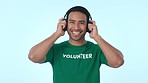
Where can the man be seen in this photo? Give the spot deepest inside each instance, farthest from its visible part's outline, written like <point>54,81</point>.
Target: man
<point>76,60</point>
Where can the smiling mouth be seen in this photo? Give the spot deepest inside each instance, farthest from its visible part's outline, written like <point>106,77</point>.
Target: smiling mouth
<point>76,32</point>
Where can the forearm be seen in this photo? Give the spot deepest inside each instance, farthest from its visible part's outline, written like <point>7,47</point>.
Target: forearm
<point>38,53</point>
<point>113,56</point>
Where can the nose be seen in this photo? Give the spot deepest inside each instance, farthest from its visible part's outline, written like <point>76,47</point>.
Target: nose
<point>77,26</point>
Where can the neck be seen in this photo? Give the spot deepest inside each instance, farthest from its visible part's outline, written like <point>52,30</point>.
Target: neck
<point>77,43</point>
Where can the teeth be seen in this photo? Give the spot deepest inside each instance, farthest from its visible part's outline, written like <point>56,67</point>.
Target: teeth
<point>75,32</point>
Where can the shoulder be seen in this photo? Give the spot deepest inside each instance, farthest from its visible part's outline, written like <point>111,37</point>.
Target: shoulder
<point>91,43</point>
<point>94,45</point>
<point>60,44</point>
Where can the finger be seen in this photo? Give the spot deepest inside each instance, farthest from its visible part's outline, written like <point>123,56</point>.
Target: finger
<point>90,27</point>
<point>93,22</point>
<point>63,26</point>
<point>61,19</point>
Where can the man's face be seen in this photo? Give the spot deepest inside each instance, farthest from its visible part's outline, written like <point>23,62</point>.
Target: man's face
<point>77,23</point>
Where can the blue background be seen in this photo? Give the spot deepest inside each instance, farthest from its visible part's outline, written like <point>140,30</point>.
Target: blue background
<point>24,23</point>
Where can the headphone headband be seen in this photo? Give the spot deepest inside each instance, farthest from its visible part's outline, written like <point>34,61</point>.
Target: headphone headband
<point>80,9</point>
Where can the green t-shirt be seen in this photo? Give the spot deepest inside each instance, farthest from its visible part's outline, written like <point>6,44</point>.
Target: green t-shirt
<point>76,64</point>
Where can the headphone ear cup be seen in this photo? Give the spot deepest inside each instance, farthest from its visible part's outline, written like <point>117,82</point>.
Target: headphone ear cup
<point>65,29</point>
<point>87,30</point>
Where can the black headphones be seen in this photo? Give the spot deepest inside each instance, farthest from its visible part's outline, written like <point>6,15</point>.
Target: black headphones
<point>80,9</point>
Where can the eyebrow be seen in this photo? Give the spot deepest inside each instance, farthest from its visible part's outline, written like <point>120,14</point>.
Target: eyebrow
<point>82,21</point>
<point>71,20</point>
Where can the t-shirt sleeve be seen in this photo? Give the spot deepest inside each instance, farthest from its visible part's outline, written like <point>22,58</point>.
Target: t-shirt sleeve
<point>103,59</point>
<point>49,55</point>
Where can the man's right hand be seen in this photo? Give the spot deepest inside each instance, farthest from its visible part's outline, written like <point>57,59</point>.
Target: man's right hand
<point>61,25</point>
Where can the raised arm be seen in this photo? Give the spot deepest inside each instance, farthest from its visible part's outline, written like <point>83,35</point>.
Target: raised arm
<point>38,52</point>
<point>113,55</point>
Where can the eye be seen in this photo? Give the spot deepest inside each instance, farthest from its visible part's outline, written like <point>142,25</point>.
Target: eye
<point>82,23</point>
<point>71,22</point>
